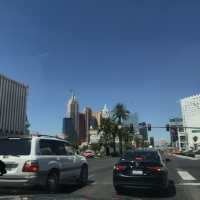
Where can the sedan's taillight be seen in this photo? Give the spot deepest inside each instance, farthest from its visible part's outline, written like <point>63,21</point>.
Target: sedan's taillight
<point>155,168</point>
<point>31,166</point>
<point>120,168</point>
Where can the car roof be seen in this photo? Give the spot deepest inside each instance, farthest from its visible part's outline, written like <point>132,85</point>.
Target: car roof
<point>34,136</point>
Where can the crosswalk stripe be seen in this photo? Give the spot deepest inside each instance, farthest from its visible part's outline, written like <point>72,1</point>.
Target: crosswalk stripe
<point>190,184</point>
<point>186,176</point>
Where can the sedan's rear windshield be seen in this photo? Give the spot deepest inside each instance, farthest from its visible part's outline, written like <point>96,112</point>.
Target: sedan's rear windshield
<point>15,146</point>
<point>142,156</point>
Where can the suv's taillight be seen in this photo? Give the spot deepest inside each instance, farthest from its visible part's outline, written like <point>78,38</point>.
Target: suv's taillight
<point>155,168</point>
<point>31,166</point>
<point>120,167</point>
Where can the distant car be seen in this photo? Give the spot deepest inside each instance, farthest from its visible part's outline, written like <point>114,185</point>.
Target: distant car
<point>88,154</point>
<point>140,168</point>
<point>197,152</point>
<point>41,161</point>
<point>189,153</point>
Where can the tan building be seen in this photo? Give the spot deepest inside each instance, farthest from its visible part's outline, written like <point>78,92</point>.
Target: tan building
<point>97,116</point>
<point>13,100</point>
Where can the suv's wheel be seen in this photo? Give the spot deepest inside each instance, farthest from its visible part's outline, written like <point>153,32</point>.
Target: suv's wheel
<point>83,178</point>
<point>118,189</point>
<point>53,182</point>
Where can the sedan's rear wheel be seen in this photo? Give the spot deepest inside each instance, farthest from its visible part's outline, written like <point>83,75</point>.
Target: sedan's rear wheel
<point>118,189</point>
<point>83,179</point>
<point>52,182</point>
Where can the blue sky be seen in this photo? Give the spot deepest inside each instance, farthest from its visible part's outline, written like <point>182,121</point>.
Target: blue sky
<point>144,54</point>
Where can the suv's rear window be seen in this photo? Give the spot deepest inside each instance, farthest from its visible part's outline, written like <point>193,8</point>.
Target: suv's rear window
<point>15,146</point>
<point>142,156</point>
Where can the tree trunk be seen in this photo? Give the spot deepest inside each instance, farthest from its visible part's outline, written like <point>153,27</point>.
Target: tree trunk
<point>107,151</point>
<point>114,144</point>
<point>120,145</point>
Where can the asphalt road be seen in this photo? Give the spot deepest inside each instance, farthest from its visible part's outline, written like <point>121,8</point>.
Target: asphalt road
<point>184,183</point>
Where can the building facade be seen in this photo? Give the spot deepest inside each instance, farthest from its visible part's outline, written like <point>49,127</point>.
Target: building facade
<point>133,120</point>
<point>96,119</point>
<point>88,118</point>
<point>13,102</point>
<point>143,131</point>
<point>106,112</point>
<point>152,141</point>
<point>73,113</point>
<point>190,108</point>
<point>177,134</point>
<point>69,131</point>
<point>82,128</point>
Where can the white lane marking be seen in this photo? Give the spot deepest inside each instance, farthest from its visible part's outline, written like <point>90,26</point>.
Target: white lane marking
<point>91,176</point>
<point>186,157</point>
<point>190,184</point>
<point>186,176</point>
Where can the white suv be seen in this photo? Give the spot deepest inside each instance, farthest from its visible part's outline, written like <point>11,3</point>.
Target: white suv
<point>41,160</point>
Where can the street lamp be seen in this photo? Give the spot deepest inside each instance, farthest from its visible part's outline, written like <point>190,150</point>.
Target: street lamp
<point>119,126</point>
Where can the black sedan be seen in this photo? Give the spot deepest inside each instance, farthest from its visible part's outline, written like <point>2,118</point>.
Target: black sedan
<point>140,168</point>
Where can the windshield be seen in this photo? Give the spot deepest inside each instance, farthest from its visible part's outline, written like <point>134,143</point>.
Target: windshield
<point>15,146</point>
<point>142,156</point>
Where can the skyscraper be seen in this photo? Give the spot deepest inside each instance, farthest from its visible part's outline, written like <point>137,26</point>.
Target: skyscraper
<point>152,141</point>
<point>13,102</point>
<point>73,113</point>
<point>88,117</point>
<point>190,107</point>
<point>82,128</point>
<point>96,119</point>
<point>105,112</point>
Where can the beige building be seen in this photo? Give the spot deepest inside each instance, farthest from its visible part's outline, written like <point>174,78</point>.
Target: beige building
<point>13,100</point>
<point>97,116</point>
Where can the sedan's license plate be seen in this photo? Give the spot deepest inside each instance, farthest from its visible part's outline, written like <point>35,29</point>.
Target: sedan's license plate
<point>137,172</point>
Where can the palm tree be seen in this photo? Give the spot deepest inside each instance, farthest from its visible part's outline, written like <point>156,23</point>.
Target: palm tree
<point>195,138</point>
<point>106,130</point>
<point>120,114</point>
<point>114,130</point>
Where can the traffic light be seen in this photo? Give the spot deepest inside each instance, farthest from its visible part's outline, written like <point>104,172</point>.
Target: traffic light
<point>167,127</point>
<point>149,127</point>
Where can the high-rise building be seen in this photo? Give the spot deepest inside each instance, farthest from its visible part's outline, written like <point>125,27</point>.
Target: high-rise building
<point>96,119</point>
<point>73,113</point>
<point>152,141</point>
<point>13,97</point>
<point>177,133</point>
<point>190,107</point>
<point>143,131</point>
<point>69,131</point>
<point>82,128</point>
<point>88,118</point>
<point>132,120</point>
<point>105,112</point>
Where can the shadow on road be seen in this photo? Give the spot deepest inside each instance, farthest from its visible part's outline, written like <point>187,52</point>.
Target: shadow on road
<point>170,192</point>
<point>64,189</point>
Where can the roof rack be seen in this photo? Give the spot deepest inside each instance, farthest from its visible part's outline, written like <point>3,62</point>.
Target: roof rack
<point>15,136</point>
<point>41,135</point>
